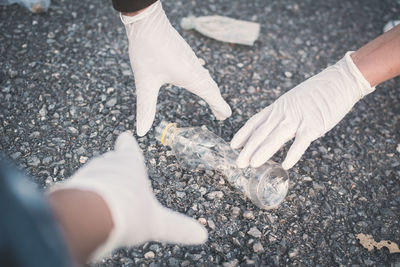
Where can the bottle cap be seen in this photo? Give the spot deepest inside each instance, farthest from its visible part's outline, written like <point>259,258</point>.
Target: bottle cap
<point>162,130</point>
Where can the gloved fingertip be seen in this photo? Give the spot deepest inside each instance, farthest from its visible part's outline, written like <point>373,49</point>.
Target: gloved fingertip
<point>223,111</point>
<point>234,145</point>
<point>297,150</point>
<point>237,140</point>
<point>286,165</point>
<point>142,127</point>
<point>178,228</point>
<point>126,141</point>
<point>257,162</point>
<point>242,163</point>
<point>200,235</point>
<point>291,159</point>
<point>141,132</point>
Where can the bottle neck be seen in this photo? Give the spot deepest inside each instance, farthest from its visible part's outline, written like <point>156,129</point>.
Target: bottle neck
<point>168,133</point>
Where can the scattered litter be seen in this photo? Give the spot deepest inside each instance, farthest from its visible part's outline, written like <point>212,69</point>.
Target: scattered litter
<point>224,29</point>
<point>369,243</point>
<point>35,6</point>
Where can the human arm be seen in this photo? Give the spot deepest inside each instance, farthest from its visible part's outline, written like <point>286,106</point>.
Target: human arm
<point>109,203</point>
<point>379,60</point>
<point>315,106</point>
<point>159,55</point>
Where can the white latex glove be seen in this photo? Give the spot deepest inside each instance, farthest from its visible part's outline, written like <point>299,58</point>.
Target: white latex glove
<point>120,178</point>
<point>159,55</point>
<point>306,112</point>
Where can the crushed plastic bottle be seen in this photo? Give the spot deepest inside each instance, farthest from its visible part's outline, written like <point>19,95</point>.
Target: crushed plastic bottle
<point>197,148</point>
<point>35,6</point>
<point>224,29</point>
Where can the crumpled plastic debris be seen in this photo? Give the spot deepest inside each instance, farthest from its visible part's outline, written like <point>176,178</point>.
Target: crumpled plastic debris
<point>35,6</point>
<point>369,243</point>
<point>224,29</point>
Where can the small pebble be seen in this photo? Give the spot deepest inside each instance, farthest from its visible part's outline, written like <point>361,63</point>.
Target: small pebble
<point>83,159</point>
<point>293,253</point>
<point>180,194</point>
<point>211,224</point>
<point>288,74</point>
<point>235,211</point>
<point>149,255</point>
<point>254,232</point>
<point>33,161</point>
<point>248,214</point>
<point>43,111</point>
<point>13,74</point>
<point>202,62</point>
<point>203,221</point>
<point>185,263</point>
<point>111,102</point>
<point>251,90</point>
<point>126,73</point>
<point>73,130</point>
<point>258,247</point>
<point>215,194</point>
<point>232,263</point>
<point>110,90</point>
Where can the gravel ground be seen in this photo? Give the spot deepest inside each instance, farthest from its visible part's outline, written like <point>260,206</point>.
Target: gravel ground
<point>67,91</point>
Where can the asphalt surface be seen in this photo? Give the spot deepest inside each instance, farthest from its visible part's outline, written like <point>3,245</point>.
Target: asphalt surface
<point>67,91</point>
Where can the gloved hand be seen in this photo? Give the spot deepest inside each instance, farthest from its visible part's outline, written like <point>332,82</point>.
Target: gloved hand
<point>159,55</point>
<point>120,178</point>
<point>306,112</point>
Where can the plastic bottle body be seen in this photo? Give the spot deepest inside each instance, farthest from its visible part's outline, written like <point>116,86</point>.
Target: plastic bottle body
<point>224,29</point>
<point>197,148</point>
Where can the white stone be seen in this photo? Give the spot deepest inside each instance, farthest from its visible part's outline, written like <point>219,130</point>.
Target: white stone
<point>248,215</point>
<point>202,62</point>
<point>254,232</point>
<point>203,221</point>
<point>215,194</point>
<point>149,255</point>
<point>258,248</point>
<point>83,159</point>
<point>288,74</point>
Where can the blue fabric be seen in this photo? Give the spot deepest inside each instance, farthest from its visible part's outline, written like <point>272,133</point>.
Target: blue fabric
<point>29,234</point>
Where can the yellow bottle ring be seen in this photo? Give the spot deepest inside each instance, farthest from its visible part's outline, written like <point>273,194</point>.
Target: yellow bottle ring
<point>166,130</point>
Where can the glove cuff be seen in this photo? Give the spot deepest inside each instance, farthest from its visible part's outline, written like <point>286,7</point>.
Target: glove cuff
<point>363,85</point>
<point>148,11</point>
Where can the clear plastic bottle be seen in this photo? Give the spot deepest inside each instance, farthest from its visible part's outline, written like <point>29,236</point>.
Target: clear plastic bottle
<point>197,148</point>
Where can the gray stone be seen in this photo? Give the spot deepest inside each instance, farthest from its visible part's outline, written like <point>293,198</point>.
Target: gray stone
<point>232,263</point>
<point>111,102</point>
<point>254,232</point>
<point>248,214</point>
<point>73,130</point>
<point>33,161</point>
<point>215,195</point>
<point>258,247</point>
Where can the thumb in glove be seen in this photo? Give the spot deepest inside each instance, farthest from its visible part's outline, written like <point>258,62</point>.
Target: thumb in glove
<point>119,177</point>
